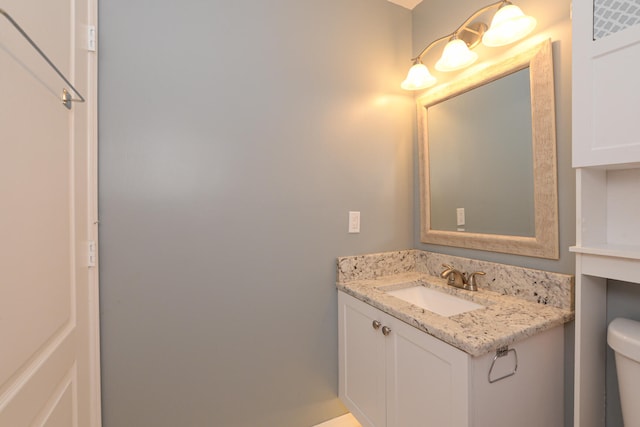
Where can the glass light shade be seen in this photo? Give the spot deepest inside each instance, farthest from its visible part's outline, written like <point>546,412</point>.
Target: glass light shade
<point>418,78</point>
<point>508,25</point>
<point>456,55</point>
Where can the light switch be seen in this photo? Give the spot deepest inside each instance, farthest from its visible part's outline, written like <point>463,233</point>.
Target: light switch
<point>354,222</point>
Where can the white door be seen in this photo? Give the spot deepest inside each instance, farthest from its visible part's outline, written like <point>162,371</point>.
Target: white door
<point>49,355</point>
<point>428,382</point>
<point>362,366</point>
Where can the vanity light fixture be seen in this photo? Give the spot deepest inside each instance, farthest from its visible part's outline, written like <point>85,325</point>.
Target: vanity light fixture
<point>509,24</point>
<point>455,56</point>
<point>418,78</point>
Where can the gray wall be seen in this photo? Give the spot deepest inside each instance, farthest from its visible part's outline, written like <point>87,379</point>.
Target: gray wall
<point>234,139</point>
<point>435,18</point>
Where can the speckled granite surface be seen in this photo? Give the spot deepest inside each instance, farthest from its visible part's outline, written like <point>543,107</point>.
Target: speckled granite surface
<point>519,302</point>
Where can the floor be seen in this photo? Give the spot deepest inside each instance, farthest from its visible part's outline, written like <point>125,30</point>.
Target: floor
<point>344,421</point>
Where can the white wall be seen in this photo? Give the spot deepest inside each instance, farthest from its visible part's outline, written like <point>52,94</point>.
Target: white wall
<point>234,139</point>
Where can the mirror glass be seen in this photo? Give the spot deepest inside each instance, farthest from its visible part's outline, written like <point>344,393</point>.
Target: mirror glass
<point>488,174</point>
<point>468,162</point>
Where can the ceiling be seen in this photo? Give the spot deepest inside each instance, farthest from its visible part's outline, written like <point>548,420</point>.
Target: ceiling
<point>409,4</point>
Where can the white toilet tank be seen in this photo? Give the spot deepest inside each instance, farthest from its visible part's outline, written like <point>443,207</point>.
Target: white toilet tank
<point>623,337</point>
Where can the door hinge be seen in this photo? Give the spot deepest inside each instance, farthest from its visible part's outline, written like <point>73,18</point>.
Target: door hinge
<point>91,253</point>
<point>91,38</point>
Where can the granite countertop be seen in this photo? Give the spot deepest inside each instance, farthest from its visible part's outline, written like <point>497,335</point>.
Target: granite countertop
<point>506,318</point>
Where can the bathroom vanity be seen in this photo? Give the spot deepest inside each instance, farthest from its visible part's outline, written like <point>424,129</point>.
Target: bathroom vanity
<point>497,359</point>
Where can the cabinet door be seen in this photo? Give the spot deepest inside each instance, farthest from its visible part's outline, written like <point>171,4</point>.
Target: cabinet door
<point>361,362</point>
<point>427,380</point>
<point>606,54</point>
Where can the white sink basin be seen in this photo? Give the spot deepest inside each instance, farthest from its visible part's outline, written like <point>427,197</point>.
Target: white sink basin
<point>435,301</point>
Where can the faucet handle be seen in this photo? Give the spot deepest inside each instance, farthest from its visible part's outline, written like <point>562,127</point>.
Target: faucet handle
<point>454,277</point>
<point>473,283</point>
<point>447,273</point>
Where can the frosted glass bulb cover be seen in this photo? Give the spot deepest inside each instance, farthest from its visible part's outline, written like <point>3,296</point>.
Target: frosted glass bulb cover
<point>456,55</point>
<point>418,78</point>
<point>508,25</point>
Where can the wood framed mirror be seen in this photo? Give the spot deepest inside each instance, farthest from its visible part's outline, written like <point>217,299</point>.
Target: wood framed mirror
<point>503,177</point>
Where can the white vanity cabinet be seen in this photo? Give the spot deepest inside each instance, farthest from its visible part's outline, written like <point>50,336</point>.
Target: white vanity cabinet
<point>407,378</point>
<point>379,381</point>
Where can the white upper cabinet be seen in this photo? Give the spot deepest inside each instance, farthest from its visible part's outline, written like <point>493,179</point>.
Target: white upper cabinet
<point>606,59</point>
<point>606,140</point>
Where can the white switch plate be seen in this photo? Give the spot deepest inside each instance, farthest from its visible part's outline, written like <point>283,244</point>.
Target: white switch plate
<point>354,222</point>
<point>460,216</point>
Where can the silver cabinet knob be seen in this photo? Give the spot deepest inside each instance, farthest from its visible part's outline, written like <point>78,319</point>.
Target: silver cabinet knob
<point>376,325</point>
<point>386,330</point>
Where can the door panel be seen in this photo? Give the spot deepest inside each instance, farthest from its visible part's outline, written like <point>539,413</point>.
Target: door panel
<point>430,380</point>
<point>63,405</point>
<point>362,366</point>
<point>48,360</point>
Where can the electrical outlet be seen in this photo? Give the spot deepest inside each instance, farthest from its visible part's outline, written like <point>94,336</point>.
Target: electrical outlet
<point>460,216</point>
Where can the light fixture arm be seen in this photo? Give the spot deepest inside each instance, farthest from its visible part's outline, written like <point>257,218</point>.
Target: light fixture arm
<point>418,58</point>
<point>478,12</point>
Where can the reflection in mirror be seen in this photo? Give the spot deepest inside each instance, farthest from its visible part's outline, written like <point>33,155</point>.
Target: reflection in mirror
<point>467,162</point>
<point>487,146</point>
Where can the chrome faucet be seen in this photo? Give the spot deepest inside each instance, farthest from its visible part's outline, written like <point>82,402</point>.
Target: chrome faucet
<point>460,280</point>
